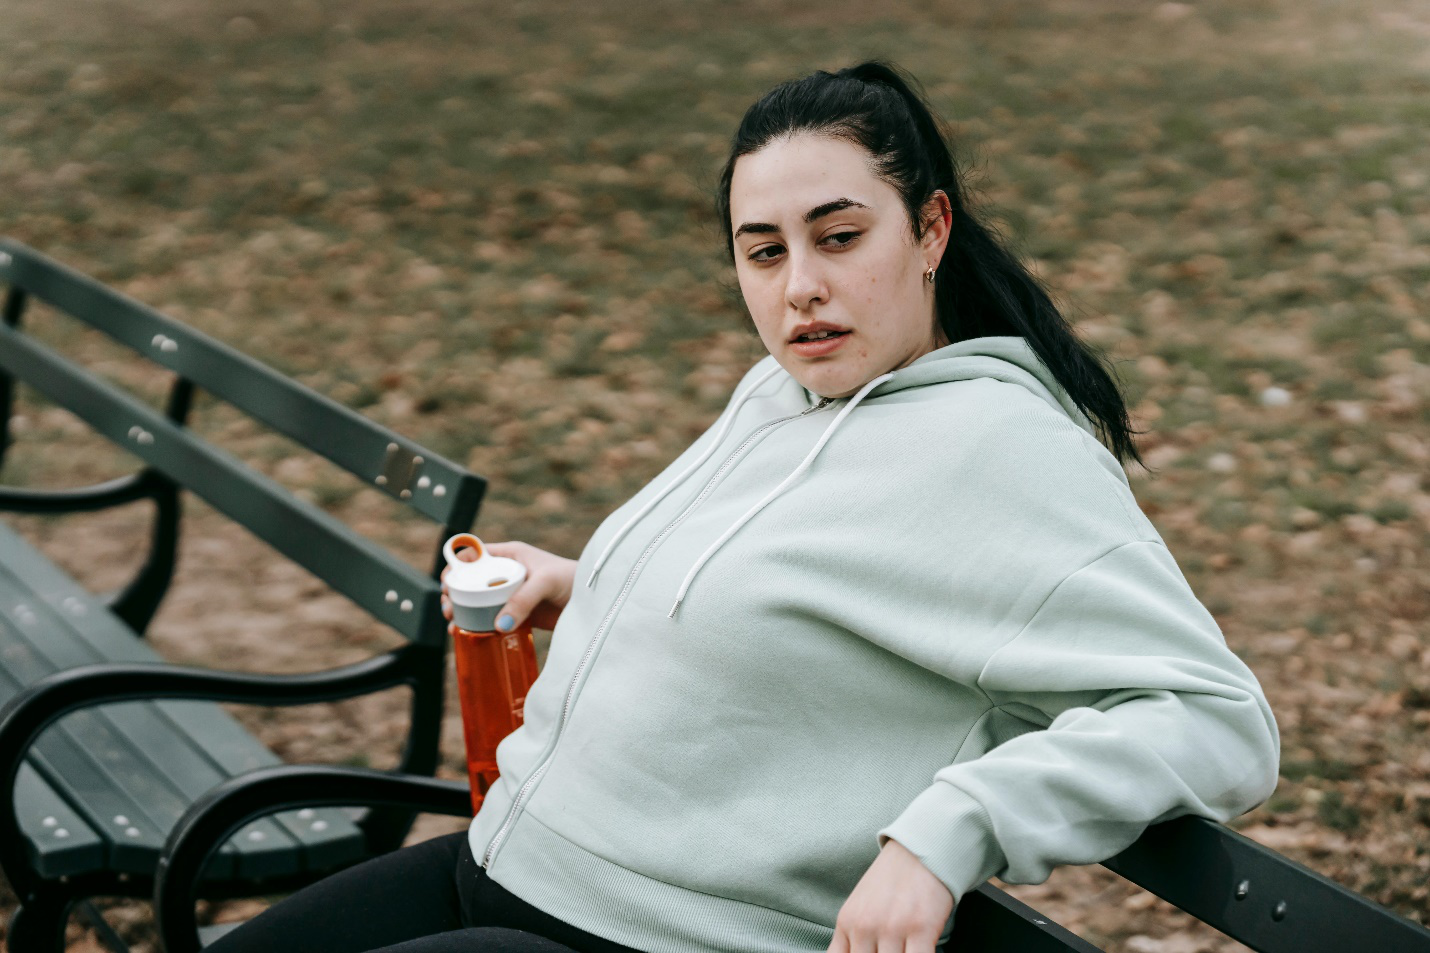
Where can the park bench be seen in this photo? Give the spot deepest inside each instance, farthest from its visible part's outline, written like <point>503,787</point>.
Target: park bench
<point>1243,889</point>
<point>91,798</point>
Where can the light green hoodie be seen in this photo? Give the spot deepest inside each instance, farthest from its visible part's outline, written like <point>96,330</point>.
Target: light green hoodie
<point>931,612</point>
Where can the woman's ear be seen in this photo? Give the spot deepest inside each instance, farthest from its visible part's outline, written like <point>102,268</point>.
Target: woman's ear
<point>938,222</point>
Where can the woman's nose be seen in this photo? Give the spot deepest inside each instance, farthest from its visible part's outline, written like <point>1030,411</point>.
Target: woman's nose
<point>805,285</point>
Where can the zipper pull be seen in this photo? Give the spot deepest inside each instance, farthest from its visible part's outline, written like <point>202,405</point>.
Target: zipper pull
<point>823,402</point>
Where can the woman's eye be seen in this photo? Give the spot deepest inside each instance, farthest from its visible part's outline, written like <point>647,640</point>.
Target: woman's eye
<point>842,239</point>
<point>765,252</point>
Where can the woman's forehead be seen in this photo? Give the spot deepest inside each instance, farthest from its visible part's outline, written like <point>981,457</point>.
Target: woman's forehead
<point>790,175</point>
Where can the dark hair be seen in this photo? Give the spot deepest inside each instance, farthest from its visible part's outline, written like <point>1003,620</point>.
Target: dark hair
<point>981,288</point>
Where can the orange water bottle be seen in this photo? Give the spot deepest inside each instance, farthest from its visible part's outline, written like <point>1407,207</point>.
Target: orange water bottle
<point>494,669</point>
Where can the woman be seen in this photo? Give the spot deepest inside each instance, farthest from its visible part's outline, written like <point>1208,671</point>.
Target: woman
<point>895,624</point>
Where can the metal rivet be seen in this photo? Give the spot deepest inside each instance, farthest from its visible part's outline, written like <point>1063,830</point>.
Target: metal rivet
<point>381,480</point>
<point>50,822</point>
<point>123,878</point>
<point>391,447</point>
<point>256,835</point>
<point>391,597</point>
<point>157,340</point>
<point>307,812</point>
<point>131,832</point>
<point>169,345</point>
<point>146,437</point>
<point>121,820</point>
<point>319,825</point>
<point>417,461</point>
<point>1278,912</point>
<point>424,482</point>
<point>1041,922</point>
<point>405,494</point>
<point>61,832</point>
<point>439,490</point>
<point>5,259</point>
<point>1242,889</point>
<point>135,431</point>
<point>406,605</point>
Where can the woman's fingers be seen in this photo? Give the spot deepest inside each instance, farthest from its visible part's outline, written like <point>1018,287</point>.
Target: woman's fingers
<point>527,597</point>
<point>924,943</point>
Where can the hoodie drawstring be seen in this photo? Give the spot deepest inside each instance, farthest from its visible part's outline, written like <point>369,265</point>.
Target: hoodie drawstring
<point>714,445</point>
<point>808,460</point>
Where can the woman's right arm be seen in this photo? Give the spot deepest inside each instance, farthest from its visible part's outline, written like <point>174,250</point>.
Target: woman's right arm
<point>547,589</point>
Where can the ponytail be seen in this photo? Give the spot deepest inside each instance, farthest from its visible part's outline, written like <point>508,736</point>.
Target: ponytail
<point>980,288</point>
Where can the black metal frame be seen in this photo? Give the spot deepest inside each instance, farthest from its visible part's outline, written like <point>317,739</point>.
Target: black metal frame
<point>1259,897</point>
<point>45,903</point>
<point>345,437</point>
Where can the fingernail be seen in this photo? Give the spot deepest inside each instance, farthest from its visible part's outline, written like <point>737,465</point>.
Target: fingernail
<point>505,622</point>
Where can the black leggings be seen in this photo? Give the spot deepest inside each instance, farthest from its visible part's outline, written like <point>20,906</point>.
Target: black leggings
<point>431,897</point>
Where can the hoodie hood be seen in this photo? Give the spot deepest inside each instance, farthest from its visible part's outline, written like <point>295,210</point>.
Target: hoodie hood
<point>1009,359</point>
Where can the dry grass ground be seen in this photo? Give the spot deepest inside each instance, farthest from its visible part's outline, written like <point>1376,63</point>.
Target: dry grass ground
<point>488,226</point>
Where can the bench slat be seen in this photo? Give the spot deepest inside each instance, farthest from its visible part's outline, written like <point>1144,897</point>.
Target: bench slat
<point>61,843</point>
<point>138,746</point>
<point>94,792</point>
<point>328,835</point>
<point>344,436</point>
<point>314,539</point>
<point>197,744</point>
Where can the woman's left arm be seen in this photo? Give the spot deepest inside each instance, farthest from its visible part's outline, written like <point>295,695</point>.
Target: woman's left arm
<point>1145,715</point>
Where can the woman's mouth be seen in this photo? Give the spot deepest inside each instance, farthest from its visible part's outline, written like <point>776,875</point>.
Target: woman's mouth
<point>824,342</point>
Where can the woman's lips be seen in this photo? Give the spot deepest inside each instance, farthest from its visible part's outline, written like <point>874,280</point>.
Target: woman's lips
<point>819,348</point>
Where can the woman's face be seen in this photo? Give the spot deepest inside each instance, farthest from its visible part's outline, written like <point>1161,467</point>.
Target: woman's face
<point>821,241</point>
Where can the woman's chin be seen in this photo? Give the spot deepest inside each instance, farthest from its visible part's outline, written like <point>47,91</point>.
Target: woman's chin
<point>827,385</point>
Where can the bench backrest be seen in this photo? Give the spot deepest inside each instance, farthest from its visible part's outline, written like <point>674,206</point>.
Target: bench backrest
<point>369,575</point>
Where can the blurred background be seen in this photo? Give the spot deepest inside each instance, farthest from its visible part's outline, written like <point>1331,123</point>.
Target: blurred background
<point>489,226</point>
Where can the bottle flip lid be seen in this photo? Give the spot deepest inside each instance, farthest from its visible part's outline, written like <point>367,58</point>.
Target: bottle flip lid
<point>488,581</point>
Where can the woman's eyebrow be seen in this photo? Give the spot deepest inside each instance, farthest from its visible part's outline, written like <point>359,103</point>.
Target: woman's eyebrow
<point>819,211</point>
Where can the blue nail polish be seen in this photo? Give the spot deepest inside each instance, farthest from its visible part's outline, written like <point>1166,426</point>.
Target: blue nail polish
<point>505,622</point>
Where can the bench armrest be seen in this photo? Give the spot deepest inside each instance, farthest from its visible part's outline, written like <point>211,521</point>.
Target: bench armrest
<point>1257,896</point>
<point>30,712</point>
<point>83,499</point>
<point>210,820</point>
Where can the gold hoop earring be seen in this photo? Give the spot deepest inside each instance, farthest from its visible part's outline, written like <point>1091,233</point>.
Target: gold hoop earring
<point>929,274</point>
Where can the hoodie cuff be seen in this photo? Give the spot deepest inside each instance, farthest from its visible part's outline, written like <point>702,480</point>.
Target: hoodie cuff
<point>951,833</point>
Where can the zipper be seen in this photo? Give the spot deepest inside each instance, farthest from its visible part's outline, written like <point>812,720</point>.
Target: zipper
<point>570,699</point>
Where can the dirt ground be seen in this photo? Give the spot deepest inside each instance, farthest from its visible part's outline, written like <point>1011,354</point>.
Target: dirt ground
<point>489,227</point>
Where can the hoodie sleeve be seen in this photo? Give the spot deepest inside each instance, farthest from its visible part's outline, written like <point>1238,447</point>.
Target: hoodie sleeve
<point>1137,712</point>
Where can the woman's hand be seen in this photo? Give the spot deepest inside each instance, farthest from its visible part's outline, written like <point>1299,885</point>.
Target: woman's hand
<point>898,906</point>
<point>547,589</point>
